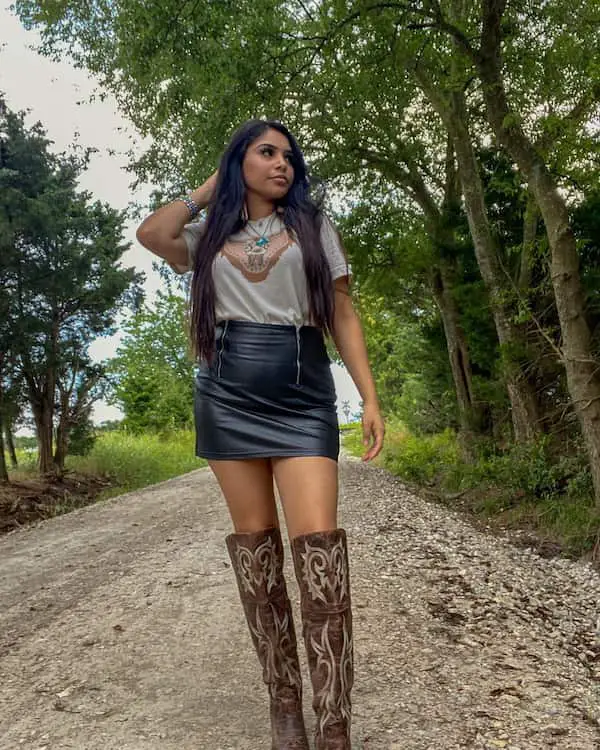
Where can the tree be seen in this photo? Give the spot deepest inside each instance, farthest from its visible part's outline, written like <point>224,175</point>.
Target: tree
<point>329,73</point>
<point>360,82</point>
<point>152,373</point>
<point>346,408</point>
<point>80,383</point>
<point>482,38</point>
<point>61,285</point>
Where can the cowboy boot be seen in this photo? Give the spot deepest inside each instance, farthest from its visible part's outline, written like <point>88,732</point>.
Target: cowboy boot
<point>321,564</point>
<point>257,560</point>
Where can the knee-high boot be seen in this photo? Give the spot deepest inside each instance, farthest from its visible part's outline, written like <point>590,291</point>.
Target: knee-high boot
<point>321,564</point>
<point>257,560</point>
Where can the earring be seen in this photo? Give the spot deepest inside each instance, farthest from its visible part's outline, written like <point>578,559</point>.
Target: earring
<point>244,213</point>
<point>280,210</point>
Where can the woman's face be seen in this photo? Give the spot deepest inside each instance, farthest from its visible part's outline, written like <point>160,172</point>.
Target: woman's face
<point>267,166</point>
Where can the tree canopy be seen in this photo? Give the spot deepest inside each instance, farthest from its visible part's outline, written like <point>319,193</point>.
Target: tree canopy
<point>61,285</point>
<point>458,137</point>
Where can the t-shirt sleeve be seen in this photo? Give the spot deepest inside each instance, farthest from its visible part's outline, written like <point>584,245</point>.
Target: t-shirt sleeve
<point>334,252</point>
<point>191,234</point>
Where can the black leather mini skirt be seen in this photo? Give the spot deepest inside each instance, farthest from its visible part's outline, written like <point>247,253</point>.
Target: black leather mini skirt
<point>268,392</point>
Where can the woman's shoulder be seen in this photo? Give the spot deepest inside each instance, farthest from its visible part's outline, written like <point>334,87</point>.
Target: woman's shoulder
<point>328,229</point>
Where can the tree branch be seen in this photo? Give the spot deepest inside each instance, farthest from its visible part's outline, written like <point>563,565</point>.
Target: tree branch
<point>306,11</point>
<point>491,31</point>
<point>409,177</point>
<point>580,110</point>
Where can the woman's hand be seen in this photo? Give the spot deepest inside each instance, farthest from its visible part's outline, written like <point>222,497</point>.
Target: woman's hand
<point>211,183</point>
<point>204,194</point>
<point>373,431</point>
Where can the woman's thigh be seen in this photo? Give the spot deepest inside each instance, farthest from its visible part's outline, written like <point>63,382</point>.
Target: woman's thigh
<point>248,489</point>
<point>308,487</point>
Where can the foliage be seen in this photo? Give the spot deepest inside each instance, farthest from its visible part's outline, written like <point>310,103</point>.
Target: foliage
<point>134,461</point>
<point>420,459</point>
<point>352,438</point>
<point>60,282</point>
<point>152,374</point>
<point>359,84</point>
<point>586,224</point>
<point>344,77</point>
<point>82,438</point>
<point>119,462</point>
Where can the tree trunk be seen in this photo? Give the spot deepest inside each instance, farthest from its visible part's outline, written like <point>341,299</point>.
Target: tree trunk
<point>530,227</point>
<point>438,221</point>
<point>41,389</point>
<point>458,352</point>
<point>62,442</point>
<point>582,369</point>
<point>42,414</point>
<point>3,467</point>
<point>10,441</point>
<point>67,415</point>
<point>524,413</point>
<point>524,406</point>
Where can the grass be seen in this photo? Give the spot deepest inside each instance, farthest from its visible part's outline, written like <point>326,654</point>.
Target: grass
<point>135,461</point>
<point>129,461</point>
<point>548,496</point>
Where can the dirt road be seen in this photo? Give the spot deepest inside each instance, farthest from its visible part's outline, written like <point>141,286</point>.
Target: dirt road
<point>120,629</point>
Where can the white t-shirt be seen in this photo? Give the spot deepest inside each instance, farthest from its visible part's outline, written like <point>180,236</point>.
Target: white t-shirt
<point>265,286</point>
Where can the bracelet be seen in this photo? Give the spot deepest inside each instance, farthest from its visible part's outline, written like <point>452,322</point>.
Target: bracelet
<point>192,206</point>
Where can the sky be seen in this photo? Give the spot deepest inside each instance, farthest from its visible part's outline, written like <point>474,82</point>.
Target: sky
<point>57,94</point>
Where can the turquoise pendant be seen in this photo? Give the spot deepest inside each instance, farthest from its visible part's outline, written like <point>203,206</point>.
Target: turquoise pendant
<point>262,242</point>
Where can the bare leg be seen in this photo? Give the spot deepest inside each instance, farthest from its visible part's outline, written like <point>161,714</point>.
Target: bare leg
<point>308,489</point>
<point>256,553</point>
<point>308,486</point>
<point>248,489</point>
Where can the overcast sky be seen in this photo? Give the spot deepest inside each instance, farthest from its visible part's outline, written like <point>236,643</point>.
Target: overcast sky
<point>52,91</point>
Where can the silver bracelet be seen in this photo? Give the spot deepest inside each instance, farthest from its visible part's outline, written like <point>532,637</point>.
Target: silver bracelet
<point>192,206</point>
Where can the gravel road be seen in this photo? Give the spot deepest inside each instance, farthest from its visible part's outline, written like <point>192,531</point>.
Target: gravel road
<point>120,629</point>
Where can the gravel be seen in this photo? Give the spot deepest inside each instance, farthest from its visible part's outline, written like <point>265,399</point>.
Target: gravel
<point>120,629</point>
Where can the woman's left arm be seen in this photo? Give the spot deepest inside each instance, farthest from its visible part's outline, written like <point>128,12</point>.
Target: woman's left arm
<point>350,342</point>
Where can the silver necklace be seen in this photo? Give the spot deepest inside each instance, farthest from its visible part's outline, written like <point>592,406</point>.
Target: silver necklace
<point>256,248</point>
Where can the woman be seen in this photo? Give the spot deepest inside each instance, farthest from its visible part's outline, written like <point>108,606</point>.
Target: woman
<point>270,279</point>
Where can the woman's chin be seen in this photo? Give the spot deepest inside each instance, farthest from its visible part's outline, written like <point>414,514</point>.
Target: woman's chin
<point>273,193</point>
<point>276,192</point>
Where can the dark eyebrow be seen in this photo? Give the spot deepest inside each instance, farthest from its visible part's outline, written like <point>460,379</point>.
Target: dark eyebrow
<point>288,151</point>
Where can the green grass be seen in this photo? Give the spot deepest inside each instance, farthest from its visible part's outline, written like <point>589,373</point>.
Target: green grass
<point>351,437</point>
<point>523,487</point>
<point>27,467</point>
<point>130,461</point>
<point>134,461</point>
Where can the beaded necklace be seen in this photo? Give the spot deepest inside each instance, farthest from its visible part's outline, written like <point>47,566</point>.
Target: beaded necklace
<point>255,249</point>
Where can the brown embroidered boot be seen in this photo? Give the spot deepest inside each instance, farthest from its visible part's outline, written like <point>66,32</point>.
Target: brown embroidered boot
<point>321,563</point>
<point>257,561</point>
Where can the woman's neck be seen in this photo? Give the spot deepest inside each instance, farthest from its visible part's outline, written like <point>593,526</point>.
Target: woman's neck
<point>258,207</point>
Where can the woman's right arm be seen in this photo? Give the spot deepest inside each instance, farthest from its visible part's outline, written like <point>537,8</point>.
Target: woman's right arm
<point>161,232</point>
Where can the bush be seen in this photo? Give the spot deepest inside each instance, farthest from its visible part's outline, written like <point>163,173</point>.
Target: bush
<point>351,437</point>
<point>82,438</point>
<point>421,459</point>
<point>416,459</point>
<point>525,471</point>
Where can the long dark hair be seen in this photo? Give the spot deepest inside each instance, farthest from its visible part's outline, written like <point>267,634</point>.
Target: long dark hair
<point>302,214</point>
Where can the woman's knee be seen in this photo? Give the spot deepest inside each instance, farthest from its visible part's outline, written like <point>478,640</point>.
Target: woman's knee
<point>308,487</point>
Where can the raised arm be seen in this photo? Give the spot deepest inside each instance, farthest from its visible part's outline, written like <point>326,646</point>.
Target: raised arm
<point>161,232</point>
